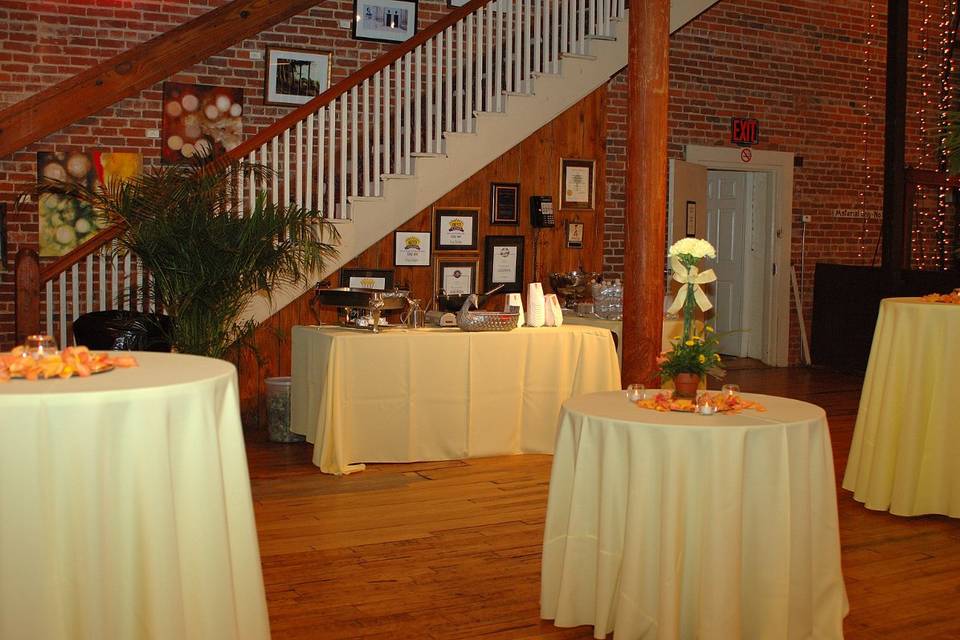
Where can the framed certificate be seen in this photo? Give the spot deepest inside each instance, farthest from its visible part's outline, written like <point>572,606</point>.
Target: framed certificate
<point>455,276</point>
<point>504,199</point>
<point>411,249</point>
<point>576,184</point>
<point>378,279</point>
<point>455,228</point>
<point>503,263</point>
<point>691,219</point>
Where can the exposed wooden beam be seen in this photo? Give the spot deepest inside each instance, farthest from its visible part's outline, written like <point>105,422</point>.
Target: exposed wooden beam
<point>646,187</point>
<point>132,71</point>
<point>894,192</point>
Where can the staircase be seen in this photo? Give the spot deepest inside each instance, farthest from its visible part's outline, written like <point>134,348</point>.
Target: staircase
<point>394,137</point>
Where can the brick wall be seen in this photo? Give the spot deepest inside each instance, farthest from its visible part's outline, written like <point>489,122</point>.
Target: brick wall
<point>797,66</point>
<point>46,41</point>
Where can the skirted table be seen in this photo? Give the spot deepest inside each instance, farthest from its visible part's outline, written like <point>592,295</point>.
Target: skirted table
<point>125,507</point>
<point>439,394</point>
<point>672,525</point>
<point>905,455</point>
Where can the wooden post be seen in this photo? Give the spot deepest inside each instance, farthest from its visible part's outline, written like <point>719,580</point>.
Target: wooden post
<point>646,188</point>
<point>27,301</point>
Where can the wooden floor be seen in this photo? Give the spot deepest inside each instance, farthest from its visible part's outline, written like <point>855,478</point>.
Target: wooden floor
<point>452,549</point>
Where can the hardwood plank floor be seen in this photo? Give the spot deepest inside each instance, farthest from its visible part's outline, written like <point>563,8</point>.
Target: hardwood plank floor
<point>452,549</point>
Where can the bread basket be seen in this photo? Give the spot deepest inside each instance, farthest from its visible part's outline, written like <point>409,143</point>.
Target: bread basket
<point>469,320</point>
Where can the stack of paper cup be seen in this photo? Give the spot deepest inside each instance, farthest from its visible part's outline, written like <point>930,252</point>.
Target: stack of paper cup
<point>515,302</point>
<point>554,313</point>
<point>536,305</point>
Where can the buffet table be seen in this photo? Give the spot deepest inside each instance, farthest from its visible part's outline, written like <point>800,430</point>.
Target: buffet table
<point>675,525</point>
<point>125,507</point>
<point>906,443</point>
<point>671,329</point>
<point>439,394</point>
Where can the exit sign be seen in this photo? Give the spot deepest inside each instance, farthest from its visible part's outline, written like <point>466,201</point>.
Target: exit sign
<point>744,131</point>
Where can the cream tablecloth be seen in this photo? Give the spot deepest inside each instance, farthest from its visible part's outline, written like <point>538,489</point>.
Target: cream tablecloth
<point>125,507</point>
<point>675,526</point>
<point>905,455</point>
<point>439,394</point>
<point>671,328</point>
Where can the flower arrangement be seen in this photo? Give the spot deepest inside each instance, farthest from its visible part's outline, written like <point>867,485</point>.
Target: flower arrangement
<point>690,352</point>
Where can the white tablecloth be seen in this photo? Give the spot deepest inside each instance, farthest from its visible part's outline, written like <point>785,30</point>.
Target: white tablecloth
<point>125,509</point>
<point>675,526</point>
<point>439,394</point>
<point>905,455</point>
<point>671,328</point>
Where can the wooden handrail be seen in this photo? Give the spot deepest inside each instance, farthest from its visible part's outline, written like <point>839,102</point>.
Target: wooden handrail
<point>355,79</point>
<point>63,263</point>
<point>142,66</point>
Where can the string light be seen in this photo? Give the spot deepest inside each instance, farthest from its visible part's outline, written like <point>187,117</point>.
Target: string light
<point>946,68</point>
<point>865,122</point>
<point>924,151</point>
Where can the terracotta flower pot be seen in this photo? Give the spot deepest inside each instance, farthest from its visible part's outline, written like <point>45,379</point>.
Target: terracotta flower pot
<point>686,384</point>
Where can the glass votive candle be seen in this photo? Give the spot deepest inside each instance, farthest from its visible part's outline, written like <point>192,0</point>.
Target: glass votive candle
<point>636,392</point>
<point>705,405</point>
<point>730,390</point>
<point>39,345</point>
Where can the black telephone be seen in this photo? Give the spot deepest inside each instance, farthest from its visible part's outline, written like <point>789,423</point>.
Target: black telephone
<point>541,211</point>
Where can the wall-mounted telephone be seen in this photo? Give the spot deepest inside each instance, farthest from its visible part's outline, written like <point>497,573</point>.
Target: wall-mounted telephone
<point>541,211</point>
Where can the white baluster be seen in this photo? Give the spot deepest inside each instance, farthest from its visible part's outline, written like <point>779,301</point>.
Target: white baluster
<point>62,311</point>
<point>508,43</point>
<point>581,23</point>
<point>525,44</point>
<point>469,58</point>
<point>331,160</point>
<point>498,64</point>
<point>89,282</point>
<point>554,9</point>
<point>537,35</point>
<point>407,64</point>
<point>126,281</point>
<point>343,156</point>
<point>378,143</point>
<point>102,289</point>
<point>478,65</point>
<point>286,168</point>
<point>321,154</point>
<point>275,177</point>
<point>428,134</point>
<point>438,98</point>
<point>458,80</point>
<point>488,104</point>
<point>139,288</point>
<point>240,189</point>
<point>49,313</point>
<point>387,167</point>
<point>253,187</point>
<point>418,89</point>
<point>397,131</point>
<point>75,290</point>
<point>308,195</point>
<point>299,160</point>
<point>354,125</point>
<point>114,279</point>
<point>365,109</point>
<point>448,72</point>
<point>518,46</point>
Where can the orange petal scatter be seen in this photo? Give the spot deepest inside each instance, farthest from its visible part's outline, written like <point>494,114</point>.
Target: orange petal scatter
<point>943,298</point>
<point>725,404</point>
<point>72,361</point>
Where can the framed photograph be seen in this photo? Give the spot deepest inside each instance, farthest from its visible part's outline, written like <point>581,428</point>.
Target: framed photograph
<point>576,184</point>
<point>198,118</point>
<point>504,203</point>
<point>295,76</point>
<point>457,3</point>
<point>455,228</point>
<point>378,279</point>
<point>411,249</point>
<point>575,235</point>
<point>691,219</point>
<point>384,20</point>
<point>503,263</point>
<point>456,275</point>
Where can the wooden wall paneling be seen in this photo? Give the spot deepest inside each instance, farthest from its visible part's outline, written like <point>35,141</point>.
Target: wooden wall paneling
<point>267,355</point>
<point>248,371</point>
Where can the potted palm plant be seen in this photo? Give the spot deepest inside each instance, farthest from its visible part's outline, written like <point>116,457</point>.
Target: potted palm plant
<point>206,256</point>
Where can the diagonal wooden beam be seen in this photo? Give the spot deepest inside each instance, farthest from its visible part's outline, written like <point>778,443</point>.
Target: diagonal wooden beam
<point>132,71</point>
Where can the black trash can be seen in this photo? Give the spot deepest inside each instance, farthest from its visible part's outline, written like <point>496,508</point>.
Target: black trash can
<point>119,330</point>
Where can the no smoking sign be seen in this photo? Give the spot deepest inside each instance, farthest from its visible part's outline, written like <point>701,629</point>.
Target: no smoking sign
<point>746,155</point>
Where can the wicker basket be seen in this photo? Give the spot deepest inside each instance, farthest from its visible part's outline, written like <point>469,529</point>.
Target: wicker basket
<point>469,320</point>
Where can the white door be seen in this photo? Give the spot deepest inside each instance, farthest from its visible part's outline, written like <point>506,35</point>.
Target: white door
<point>727,211</point>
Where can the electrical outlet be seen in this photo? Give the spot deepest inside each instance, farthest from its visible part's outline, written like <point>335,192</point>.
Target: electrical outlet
<point>152,133</point>
<point>344,24</point>
<point>806,219</point>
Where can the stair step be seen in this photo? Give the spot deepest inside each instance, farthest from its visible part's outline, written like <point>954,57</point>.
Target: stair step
<point>518,94</point>
<point>578,56</point>
<point>397,176</point>
<point>355,199</point>
<point>427,154</point>
<point>453,134</point>
<point>601,37</point>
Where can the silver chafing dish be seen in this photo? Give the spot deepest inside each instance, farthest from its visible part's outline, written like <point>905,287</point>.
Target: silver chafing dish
<point>369,300</point>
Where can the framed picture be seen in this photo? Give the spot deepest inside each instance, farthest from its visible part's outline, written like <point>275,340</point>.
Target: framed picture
<point>378,279</point>
<point>198,118</point>
<point>456,275</point>
<point>455,228</point>
<point>411,249</point>
<point>295,76</point>
<point>384,20</point>
<point>503,263</point>
<point>691,219</point>
<point>575,235</point>
<point>576,184</point>
<point>457,3</point>
<point>504,203</point>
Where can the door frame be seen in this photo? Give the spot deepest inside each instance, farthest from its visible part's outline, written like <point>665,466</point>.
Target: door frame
<point>779,164</point>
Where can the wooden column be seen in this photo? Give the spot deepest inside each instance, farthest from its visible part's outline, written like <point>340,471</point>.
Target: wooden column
<point>646,188</point>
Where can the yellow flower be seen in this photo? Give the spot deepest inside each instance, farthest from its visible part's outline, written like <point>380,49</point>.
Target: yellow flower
<point>703,358</point>
<point>709,329</point>
<point>675,338</point>
<point>689,343</point>
<point>716,357</point>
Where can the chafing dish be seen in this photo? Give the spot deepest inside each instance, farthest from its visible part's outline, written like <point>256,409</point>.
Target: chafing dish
<point>369,300</point>
<point>573,286</point>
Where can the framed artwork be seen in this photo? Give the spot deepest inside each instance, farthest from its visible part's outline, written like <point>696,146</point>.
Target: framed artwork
<point>457,3</point>
<point>456,275</point>
<point>65,222</point>
<point>575,235</point>
<point>504,203</point>
<point>295,76</point>
<point>198,119</point>
<point>377,279</point>
<point>411,249</point>
<point>503,263</point>
<point>691,219</point>
<point>3,236</point>
<point>576,184</point>
<point>384,20</point>
<point>455,228</point>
